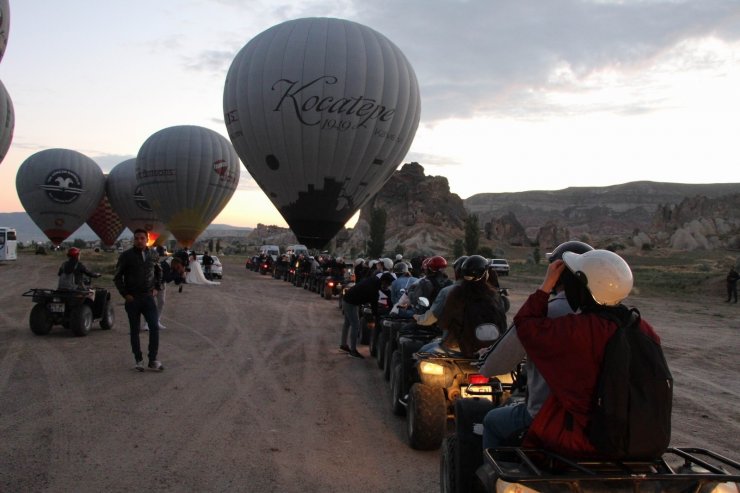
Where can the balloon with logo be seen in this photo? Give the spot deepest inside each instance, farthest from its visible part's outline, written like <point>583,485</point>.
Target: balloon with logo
<point>105,222</point>
<point>188,174</point>
<point>128,201</point>
<point>4,26</point>
<point>7,121</point>
<point>59,188</point>
<point>321,111</point>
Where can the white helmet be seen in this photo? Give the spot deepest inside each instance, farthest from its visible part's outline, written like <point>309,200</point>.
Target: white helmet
<point>387,263</point>
<point>604,273</point>
<point>372,263</point>
<point>359,260</point>
<point>399,257</point>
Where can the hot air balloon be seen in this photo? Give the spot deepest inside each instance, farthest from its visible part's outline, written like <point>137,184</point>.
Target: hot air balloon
<point>127,199</point>
<point>59,188</point>
<point>105,222</point>
<point>4,26</point>
<point>188,175</point>
<point>321,111</point>
<point>7,121</point>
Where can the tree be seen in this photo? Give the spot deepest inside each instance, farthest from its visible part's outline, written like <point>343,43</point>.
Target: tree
<point>458,248</point>
<point>79,243</point>
<point>377,233</point>
<point>472,234</point>
<point>536,255</point>
<point>218,245</point>
<point>210,245</point>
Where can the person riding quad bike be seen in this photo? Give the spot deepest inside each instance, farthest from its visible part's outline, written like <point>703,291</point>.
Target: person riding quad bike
<point>446,367</point>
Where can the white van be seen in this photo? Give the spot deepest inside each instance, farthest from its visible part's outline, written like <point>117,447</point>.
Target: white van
<point>272,250</point>
<point>297,250</point>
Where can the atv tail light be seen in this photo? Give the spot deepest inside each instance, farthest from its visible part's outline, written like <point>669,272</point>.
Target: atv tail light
<point>264,266</point>
<point>478,379</point>
<point>330,284</point>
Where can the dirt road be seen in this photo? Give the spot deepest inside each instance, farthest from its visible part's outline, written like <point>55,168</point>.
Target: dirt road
<point>257,397</point>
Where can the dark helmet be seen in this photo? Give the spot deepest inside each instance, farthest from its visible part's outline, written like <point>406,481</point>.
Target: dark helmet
<point>578,247</point>
<point>457,265</point>
<point>436,263</point>
<point>73,252</point>
<point>474,268</point>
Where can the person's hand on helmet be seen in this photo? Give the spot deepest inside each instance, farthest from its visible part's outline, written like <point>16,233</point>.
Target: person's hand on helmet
<point>553,274</point>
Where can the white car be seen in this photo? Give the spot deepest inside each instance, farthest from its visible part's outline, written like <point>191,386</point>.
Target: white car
<point>500,265</point>
<point>217,270</point>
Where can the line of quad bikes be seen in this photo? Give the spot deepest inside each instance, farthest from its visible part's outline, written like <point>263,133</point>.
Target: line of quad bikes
<point>444,399</point>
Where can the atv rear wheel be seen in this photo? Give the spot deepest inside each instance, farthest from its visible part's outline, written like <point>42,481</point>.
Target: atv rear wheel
<point>39,320</point>
<point>426,419</point>
<point>447,465</point>
<point>387,355</point>
<point>109,316</point>
<point>397,385</point>
<point>81,320</point>
<point>380,347</point>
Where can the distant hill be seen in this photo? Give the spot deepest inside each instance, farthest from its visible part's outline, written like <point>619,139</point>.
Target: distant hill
<point>28,231</point>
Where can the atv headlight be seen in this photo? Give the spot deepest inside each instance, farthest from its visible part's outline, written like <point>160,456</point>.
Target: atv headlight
<point>429,368</point>
<point>504,487</point>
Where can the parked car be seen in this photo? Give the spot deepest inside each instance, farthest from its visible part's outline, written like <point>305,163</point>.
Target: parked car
<point>217,270</point>
<point>500,265</point>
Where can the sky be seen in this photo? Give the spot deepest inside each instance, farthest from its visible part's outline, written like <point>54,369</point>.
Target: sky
<point>516,94</point>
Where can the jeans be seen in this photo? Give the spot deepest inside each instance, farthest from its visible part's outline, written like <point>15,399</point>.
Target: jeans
<point>502,423</point>
<point>351,325</point>
<point>143,304</point>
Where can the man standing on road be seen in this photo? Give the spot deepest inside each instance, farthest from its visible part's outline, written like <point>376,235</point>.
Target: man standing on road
<point>138,278</point>
<point>207,264</point>
<point>732,278</point>
<point>364,292</point>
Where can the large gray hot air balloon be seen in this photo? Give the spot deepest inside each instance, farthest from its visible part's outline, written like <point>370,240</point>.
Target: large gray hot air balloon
<point>127,199</point>
<point>7,121</point>
<point>188,174</point>
<point>4,26</point>
<point>321,112</point>
<point>59,188</point>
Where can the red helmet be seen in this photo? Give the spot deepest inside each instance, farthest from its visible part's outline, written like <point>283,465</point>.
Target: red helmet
<point>73,252</point>
<point>436,263</point>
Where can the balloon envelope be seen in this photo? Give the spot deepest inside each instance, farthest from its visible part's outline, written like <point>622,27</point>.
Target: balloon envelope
<point>59,188</point>
<point>188,175</point>
<point>7,121</point>
<point>4,26</point>
<point>105,222</point>
<point>321,111</point>
<point>127,199</point>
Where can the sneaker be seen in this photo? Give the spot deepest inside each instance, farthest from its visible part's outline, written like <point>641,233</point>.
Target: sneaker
<point>355,354</point>
<point>344,348</point>
<point>156,365</point>
<point>161,326</point>
<point>144,328</point>
<point>139,365</point>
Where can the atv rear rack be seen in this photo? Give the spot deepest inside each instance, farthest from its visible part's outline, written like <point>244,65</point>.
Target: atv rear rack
<point>679,469</point>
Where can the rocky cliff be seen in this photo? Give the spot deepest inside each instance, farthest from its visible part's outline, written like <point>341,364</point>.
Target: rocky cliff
<point>425,217</point>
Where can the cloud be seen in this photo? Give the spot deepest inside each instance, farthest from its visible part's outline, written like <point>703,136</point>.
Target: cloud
<point>475,57</point>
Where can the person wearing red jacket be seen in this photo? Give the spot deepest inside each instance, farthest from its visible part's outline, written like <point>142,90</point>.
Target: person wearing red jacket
<point>568,350</point>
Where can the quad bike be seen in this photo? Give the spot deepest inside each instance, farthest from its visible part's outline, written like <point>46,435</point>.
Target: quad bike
<point>73,309</point>
<point>677,470</point>
<point>442,377</point>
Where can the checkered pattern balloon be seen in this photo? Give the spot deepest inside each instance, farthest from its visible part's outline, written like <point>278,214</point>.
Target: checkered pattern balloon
<point>105,222</point>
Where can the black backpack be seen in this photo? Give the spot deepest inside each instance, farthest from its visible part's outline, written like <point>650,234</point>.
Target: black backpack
<point>631,416</point>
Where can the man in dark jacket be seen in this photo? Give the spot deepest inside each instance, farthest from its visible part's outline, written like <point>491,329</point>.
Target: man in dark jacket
<point>365,291</point>
<point>138,278</point>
